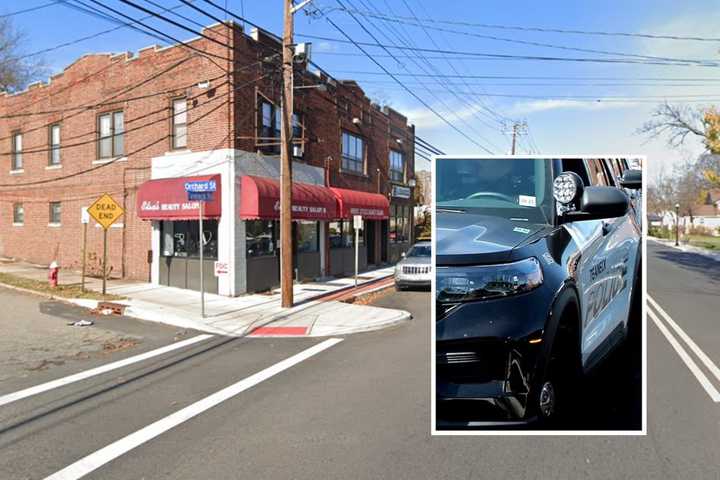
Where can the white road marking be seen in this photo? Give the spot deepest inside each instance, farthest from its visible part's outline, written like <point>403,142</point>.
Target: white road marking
<point>61,382</point>
<point>689,362</point>
<point>99,458</point>
<point>684,336</point>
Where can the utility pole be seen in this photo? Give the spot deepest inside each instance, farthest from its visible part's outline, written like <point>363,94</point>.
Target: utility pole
<point>518,128</point>
<point>286,267</point>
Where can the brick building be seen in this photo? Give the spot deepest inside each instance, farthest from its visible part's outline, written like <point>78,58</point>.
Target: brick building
<point>138,126</point>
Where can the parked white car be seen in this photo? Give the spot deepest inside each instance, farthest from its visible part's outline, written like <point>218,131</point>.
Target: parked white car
<point>414,269</point>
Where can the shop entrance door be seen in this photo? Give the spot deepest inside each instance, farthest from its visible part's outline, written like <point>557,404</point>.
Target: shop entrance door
<point>384,241</point>
<point>370,227</point>
<point>180,255</point>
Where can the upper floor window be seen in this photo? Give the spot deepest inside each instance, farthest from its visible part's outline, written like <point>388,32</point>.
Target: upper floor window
<point>18,214</point>
<point>353,153</point>
<point>179,123</point>
<point>17,158</point>
<point>270,125</point>
<point>269,128</point>
<point>397,166</point>
<point>54,153</point>
<point>111,140</point>
<point>55,213</point>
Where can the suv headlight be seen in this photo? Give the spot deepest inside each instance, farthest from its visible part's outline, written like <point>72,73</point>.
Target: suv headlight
<point>462,284</point>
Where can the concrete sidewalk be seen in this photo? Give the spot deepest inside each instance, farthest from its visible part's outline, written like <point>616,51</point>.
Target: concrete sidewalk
<point>247,315</point>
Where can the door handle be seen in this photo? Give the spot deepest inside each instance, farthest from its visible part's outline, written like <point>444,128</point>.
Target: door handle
<point>606,227</point>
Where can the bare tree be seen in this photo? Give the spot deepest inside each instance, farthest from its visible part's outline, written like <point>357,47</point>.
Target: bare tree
<point>16,71</point>
<point>676,121</point>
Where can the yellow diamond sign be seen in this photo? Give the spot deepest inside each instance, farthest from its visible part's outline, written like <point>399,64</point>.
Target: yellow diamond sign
<point>105,211</point>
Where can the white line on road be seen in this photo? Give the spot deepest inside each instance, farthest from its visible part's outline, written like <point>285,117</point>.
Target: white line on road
<point>99,458</point>
<point>60,382</point>
<point>684,336</point>
<point>689,362</point>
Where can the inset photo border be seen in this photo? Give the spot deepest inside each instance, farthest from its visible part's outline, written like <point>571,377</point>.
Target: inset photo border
<point>539,281</point>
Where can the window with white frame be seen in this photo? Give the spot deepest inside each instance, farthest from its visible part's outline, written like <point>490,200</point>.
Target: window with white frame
<point>397,166</point>
<point>55,213</point>
<point>17,156</point>
<point>18,214</point>
<point>179,123</point>
<point>353,153</point>
<point>54,152</point>
<point>111,135</point>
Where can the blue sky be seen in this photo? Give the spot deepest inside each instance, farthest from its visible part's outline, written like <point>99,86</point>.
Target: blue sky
<point>556,124</point>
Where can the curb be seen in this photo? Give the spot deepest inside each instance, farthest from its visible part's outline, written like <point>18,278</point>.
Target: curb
<point>687,248</point>
<point>401,317</point>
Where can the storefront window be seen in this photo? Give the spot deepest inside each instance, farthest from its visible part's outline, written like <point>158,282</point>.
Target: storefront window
<point>399,223</point>
<point>181,239</point>
<point>393,224</point>
<point>307,236</point>
<point>260,237</point>
<point>342,234</point>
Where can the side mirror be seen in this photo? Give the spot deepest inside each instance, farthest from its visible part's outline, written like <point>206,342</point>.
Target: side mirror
<point>600,202</point>
<point>403,254</point>
<point>631,179</point>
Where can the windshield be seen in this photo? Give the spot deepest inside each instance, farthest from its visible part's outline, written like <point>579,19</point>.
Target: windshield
<point>512,188</point>
<point>419,251</point>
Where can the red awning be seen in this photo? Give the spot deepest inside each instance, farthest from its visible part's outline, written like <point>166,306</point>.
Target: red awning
<point>372,206</point>
<point>260,198</point>
<point>166,199</point>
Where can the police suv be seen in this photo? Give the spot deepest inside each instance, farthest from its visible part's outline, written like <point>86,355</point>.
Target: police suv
<point>538,265</point>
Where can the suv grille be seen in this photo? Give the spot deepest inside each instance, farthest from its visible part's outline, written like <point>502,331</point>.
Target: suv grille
<point>415,269</point>
<point>470,363</point>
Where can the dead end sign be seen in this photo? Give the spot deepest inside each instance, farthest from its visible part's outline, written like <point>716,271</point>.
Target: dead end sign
<point>105,211</point>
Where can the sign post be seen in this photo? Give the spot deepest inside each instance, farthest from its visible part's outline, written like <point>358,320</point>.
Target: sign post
<point>84,219</point>
<point>357,226</point>
<point>105,211</point>
<point>201,192</point>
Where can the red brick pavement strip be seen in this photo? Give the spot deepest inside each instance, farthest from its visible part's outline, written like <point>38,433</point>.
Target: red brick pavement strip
<point>355,292</point>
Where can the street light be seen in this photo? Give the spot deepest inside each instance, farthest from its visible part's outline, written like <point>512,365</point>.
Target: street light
<point>677,224</point>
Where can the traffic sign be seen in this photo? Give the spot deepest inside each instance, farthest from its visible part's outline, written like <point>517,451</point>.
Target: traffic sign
<point>201,186</point>
<point>105,211</point>
<point>357,222</point>
<point>200,196</point>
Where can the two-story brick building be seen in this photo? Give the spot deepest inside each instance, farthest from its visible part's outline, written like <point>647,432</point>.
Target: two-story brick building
<point>138,126</point>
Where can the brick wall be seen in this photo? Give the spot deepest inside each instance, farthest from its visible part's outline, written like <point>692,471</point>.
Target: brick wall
<point>221,115</point>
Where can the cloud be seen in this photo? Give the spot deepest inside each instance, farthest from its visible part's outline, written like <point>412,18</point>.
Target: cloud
<point>325,47</point>
<point>534,106</point>
<point>425,118</point>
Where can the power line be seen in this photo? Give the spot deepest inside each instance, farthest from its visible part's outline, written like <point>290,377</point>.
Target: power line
<point>523,77</point>
<point>144,147</point>
<point>327,74</point>
<point>418,98</point>
<point>388,18</point>
<point>92,36</point>
<point>498,56</point>
<point>426,88</point>
<point>126,90</point>
<point>31,9</point>
<point>561,30</point>
<point>163,36</point>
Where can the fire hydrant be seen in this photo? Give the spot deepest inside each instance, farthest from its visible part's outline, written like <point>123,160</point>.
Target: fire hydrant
<point>53,274</point>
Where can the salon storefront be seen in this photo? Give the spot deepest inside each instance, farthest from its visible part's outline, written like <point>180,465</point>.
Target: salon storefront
<point>165,202</point>
<point>241,229</point>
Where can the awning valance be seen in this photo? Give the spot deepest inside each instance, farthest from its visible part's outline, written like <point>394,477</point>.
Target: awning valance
<point>372,206</point>
<point>260,198</point>
<point>166,199</point>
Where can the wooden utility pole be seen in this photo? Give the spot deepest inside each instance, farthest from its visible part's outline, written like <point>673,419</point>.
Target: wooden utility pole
<point>286,267</point>
<point>518,128</point>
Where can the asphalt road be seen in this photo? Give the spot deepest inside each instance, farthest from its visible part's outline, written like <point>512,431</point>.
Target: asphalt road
<point>358,409</point>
